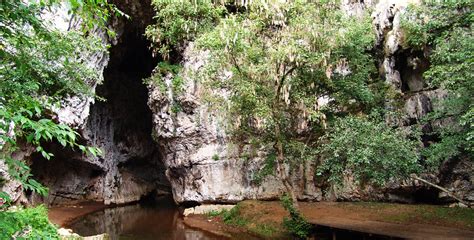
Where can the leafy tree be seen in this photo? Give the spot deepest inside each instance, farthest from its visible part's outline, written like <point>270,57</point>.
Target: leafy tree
<point>369,150</point>
<point>39,67</point>
<point>178,22</point>
<point>282,57</point>
<point>445,30</point>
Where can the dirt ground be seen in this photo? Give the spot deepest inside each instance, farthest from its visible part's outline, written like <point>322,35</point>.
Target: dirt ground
<point>217,227</point>
<point>397,220</point>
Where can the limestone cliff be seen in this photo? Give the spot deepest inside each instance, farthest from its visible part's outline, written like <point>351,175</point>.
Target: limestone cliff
<point>202,164</point>
<point>149,148</point>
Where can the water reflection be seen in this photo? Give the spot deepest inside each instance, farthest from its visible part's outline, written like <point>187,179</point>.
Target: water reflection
<point>160,220</point>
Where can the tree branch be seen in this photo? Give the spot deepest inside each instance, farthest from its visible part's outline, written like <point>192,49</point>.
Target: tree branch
<point>414,176</point>
<point>282,80</point>
<point>236,65</point>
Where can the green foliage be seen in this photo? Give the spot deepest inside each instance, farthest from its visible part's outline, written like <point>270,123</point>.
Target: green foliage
<point>267,169</point>
<point>5,200</point>
<point>280,57</point>
<point>19,171</point>
<point>28,223</point>
<point>180,21</point>
<point>215,157</point>
<point>369,149</point>
<point>296,224</point>
<point>214,213</point>
<point>162,72</point>
<point>39,67</point>
<point>233,217</point>
<point>446,28</point>
<point>167,76</point>
<point>423,24</point>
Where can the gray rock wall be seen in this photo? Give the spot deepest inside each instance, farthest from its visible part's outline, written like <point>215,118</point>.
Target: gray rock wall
<point>131,165</point>
<point>202,164</point>
<point>190,152</point>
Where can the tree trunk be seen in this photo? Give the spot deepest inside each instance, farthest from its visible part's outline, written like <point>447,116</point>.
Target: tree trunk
<point>278,141</point>
<point>281,168</point>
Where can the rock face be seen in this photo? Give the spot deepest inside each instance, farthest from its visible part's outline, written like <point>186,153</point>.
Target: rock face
<point>120,126</point>
<point>202,164</point>
<point>403,69</point>
<point>149,147</point>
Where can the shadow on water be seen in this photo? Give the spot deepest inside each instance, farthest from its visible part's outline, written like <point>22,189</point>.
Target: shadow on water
<point>142,221</point>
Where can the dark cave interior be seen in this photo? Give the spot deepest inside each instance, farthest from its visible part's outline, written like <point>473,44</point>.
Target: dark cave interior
<point>121,126</point>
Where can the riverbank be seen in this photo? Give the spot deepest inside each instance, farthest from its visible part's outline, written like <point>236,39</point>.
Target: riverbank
<point>264,219</point>
<point>65,215</point>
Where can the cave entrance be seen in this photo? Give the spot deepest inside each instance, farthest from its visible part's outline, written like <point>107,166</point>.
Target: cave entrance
<point>120,125</point>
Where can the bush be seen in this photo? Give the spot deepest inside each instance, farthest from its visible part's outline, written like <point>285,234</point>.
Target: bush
<point>28,223</point>
<point>369,149</point>
<point>232,217</point>
<point>180,21</point>
<point>296,224</point>
<point>214,213</point>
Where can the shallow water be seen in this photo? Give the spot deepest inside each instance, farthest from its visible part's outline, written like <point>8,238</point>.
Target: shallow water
<point>142,221</point>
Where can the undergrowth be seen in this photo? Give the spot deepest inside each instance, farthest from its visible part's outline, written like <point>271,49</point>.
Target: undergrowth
<point>27,223</point>
<point>239,217</point>
<point>296,224</point>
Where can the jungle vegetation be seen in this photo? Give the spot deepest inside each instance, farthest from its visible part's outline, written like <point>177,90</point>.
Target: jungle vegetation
<point>287,62</point>
<point>280,63</point>
<point>40,66</point>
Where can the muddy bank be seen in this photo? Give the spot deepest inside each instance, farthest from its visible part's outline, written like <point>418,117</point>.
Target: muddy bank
<point>216,226</point>
<point>63,216</point>
<point>357,220</point>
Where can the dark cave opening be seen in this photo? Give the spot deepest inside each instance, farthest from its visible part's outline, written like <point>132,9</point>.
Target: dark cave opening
<point>411,66</point>
<point>121,126</point>
<point>124,92</point>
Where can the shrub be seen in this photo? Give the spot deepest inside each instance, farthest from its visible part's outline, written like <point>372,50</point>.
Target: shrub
<point>233,217</point>
<point>369,149</point>
<point>28,223</point>
<point>296,224</point>
<point>180,21</point>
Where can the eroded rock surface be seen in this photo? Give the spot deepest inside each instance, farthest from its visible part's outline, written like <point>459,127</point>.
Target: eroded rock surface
<point>120,125</point>
<point>202,164</point>
<point>403,69</point>
<point>190,151</point>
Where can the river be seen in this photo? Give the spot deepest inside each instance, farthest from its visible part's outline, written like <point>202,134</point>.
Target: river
<point>142,221</point>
